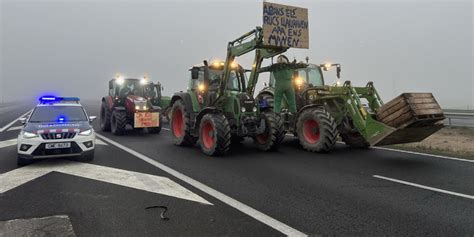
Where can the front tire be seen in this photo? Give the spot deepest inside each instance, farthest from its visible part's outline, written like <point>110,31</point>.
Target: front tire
<point>87,158</point>
<point>214,134</point>
<point>104,117</point>
<point>118,122</point>
<point>316,130</point>
<point>181,125</point>
<point>274,133</point>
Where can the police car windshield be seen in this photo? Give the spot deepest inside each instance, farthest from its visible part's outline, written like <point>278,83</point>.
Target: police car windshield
<point>58,114</point>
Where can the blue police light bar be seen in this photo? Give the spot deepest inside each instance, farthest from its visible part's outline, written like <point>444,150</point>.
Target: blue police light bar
<point>54,99</point>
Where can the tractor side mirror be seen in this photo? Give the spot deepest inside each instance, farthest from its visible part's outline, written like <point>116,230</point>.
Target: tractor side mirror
<point>92,118</point>
<point>338,72</point>
<point>111,84</point>
<point>194,73</point>
<point>23,120</point>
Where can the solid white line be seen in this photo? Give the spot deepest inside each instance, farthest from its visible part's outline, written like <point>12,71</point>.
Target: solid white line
<point>15,128</point>
<point>14,121</point>
<point>6,143</point>
<point>275,224</point>
<point>424,154</point>
<point>424,187</point>
<point>100,142</point>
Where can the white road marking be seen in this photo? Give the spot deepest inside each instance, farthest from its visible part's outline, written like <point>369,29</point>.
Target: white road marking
<point>145,182</point>
<point>424,154</point>
<point>275,224</point>
<point>59,225</point>
<point>100,142</point>
<point>15,128</point>
<point>14,121</point>
<point>424,187</point>
<point>7,143</point>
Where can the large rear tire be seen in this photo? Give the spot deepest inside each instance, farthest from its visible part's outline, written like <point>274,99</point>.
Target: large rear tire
<point>181,125</point>
<point>316,129</point>
<point>214,134</point>
<point>104,117</point>
<point>118,122</point>
<point>274,133</point>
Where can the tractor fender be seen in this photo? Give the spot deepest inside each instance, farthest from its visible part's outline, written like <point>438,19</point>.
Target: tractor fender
<point>186,98</point>
<point>308,107</point>
<point>201,114</point>
<point>108,101</point>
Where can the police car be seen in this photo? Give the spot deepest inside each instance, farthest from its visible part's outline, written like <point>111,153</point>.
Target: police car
<point>57,127</point>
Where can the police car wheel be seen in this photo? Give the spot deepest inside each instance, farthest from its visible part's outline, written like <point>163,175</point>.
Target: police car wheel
<point>22,162</point>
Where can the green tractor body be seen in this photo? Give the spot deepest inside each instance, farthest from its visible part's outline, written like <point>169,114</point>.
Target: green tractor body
<point>218,108</point>
<point>348,111</point>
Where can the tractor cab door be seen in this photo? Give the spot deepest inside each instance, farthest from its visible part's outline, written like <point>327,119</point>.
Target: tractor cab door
<point>112,88</point>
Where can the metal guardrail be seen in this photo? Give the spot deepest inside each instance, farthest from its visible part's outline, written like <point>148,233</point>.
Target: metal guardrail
<point>468,115</point>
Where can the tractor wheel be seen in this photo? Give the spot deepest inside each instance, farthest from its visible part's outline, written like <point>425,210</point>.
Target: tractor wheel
<point>274,133</point>
<point>316,130</point>
<point>354,140</point>
<point>104,117</point>
<point>156,130</point>
<point>118,122</point>
<point>181,125</point>
<point>214,134</point>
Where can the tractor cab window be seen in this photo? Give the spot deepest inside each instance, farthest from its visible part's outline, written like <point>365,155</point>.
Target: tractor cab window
<point>129,87</point>
<point>301,74</point>
<point>234,81</point>
<point>315,77</point>
<point>150,91</point>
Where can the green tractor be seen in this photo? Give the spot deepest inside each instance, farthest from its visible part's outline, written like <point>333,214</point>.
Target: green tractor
<point>219,106</point>
<point>324,112</point>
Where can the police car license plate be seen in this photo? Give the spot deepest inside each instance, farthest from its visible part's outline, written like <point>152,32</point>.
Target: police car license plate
<point>58,145</point>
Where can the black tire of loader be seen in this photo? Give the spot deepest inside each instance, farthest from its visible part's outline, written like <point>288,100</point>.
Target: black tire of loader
<point>275,132</point>
<point>187,139</point>
<point>118,122</point>
<point>327,130</point>
<point>222,135</point>
<point>104,118</point>
<point>355,140</point>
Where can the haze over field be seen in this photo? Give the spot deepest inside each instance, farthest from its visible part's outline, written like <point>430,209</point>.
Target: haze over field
<point>74,47</point>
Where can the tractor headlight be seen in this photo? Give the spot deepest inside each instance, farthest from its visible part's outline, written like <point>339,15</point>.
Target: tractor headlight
<point>311,97</point>
<point>86,132</point>
<point>201,88</point>
<point>298,81</point>
<point>254,109</point>
<point>137,107</point>
<point>145,108</point>
<point>29,135</point>
<point>242,109</point>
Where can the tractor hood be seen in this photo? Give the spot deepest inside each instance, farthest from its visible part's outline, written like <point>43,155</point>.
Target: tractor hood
<point>48,127</point>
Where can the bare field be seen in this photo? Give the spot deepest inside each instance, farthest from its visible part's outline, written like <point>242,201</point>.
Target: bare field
<point>450,141</point>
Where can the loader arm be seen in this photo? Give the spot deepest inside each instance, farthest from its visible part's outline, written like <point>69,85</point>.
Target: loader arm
<point>252,40</point>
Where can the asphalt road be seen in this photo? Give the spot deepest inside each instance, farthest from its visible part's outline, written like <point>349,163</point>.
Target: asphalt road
<point>346,192</point>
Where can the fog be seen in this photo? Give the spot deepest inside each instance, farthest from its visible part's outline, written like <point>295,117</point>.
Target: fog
<point>72,48</point>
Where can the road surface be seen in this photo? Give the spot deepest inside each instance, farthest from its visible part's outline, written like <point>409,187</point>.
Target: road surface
<point>249,193</point>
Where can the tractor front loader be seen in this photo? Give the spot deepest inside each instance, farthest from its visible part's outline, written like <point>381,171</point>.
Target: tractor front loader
<point>219,108</point>
<point>357,114</point>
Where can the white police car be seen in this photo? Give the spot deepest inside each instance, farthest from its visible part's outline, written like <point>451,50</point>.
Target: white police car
<point>57,127</point>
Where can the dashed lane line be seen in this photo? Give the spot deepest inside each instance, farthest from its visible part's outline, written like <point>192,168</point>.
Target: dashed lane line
<point>7,143</point>
<point>15,128</point>
<point>269,221</point>
<point>424,187</point>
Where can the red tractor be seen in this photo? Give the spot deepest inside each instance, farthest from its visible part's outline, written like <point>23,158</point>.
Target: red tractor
<point>133,102</point>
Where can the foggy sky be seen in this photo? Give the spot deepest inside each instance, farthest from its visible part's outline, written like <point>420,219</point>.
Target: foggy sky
<point>72,48</point>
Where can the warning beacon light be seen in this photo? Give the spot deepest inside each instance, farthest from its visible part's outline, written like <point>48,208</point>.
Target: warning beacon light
<point>54,99</point>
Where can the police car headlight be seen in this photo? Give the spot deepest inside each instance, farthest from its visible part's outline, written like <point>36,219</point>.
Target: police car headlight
<point>29,135</point>
<point>242,109</point>
<point>86,132</point>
